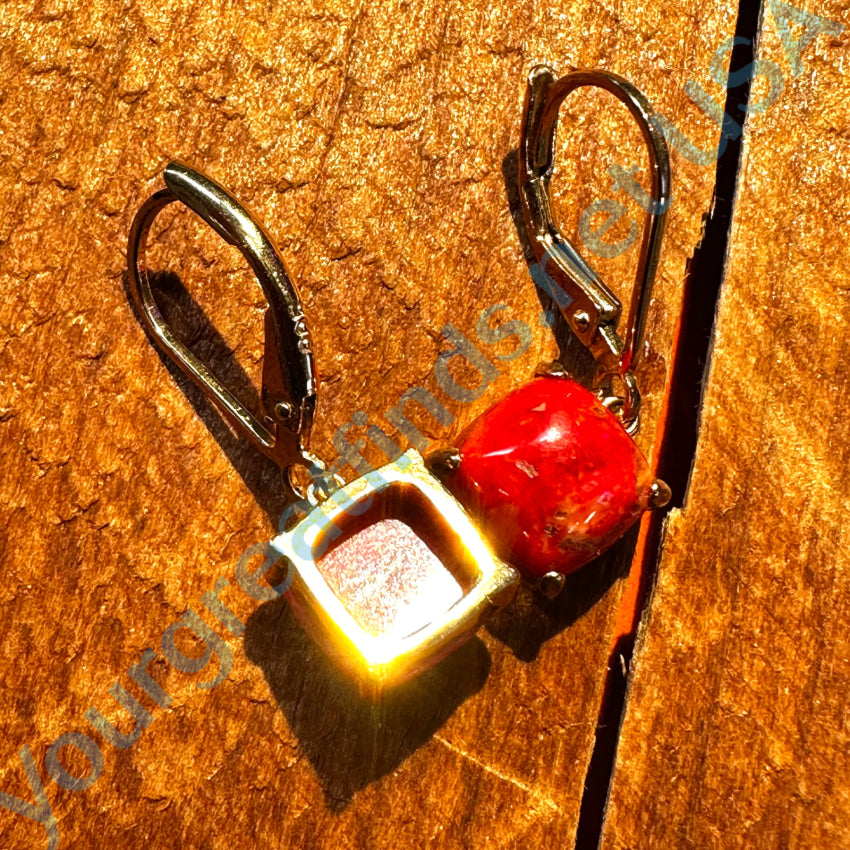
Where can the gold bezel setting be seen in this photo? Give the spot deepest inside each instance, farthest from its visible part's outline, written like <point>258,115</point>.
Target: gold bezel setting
<point>380,660</point>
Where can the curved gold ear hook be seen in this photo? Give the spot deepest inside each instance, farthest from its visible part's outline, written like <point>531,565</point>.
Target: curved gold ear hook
<point>288,397</point>
<point>589,306</point>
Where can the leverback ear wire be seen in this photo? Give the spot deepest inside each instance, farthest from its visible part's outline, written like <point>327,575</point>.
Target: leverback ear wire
<point>590,308</point>
<point>288,398</point>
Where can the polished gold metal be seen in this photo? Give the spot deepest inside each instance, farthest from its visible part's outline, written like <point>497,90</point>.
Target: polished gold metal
<point>551,584</point>
<point>660,494</point>
<point>288,397</point>
<point>589,306</point>
<point>553,369</point>
<point>403,489</point>
<point>443,462</point>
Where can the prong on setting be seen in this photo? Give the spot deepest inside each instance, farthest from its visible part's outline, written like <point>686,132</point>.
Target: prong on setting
<point>553,369</point>
<point>551,584</point>
<point>660,494</point>
<point>443,462</point>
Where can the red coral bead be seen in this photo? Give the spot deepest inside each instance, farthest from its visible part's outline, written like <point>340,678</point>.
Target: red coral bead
<point>551,476</point>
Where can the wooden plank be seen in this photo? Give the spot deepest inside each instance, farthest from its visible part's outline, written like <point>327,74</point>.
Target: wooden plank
<point>736,732</point>
<point>374,141</point>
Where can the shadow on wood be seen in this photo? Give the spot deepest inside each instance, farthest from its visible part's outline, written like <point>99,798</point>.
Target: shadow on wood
<point>192,326</point>
<point>531,619</point>
<point>351,741</point>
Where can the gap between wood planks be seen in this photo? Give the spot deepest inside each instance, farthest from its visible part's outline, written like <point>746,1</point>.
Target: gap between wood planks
<point>679,431</point>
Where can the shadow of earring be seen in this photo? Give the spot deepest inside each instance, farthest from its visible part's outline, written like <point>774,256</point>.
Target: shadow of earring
<point>532,619</point>
<point>351,741</point>
<point>191,324</point>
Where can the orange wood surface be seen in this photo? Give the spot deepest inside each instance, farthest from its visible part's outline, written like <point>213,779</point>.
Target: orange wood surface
<point>735,732</point>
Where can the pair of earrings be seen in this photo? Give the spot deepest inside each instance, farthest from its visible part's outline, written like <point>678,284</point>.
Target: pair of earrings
<point>393,570</point>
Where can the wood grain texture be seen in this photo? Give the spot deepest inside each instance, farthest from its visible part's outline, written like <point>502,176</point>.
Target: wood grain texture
<point>736,727</point>
<point>376,142</point>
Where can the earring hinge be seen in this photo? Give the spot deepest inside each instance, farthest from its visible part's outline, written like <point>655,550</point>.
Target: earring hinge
<point>288,398</point>
<point>589,306</point>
